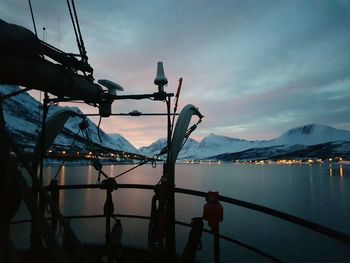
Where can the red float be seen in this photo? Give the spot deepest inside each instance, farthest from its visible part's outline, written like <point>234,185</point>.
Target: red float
<point>213,212</point>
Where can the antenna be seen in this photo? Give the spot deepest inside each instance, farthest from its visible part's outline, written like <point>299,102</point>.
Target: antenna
<point>160,79</point>
<point>59,32</point>
<point>44,34</point>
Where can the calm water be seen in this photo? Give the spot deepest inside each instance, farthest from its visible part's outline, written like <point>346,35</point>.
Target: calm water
<point>320,193</point>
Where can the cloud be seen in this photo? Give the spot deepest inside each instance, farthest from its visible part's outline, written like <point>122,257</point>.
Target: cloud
<point>254,68</point>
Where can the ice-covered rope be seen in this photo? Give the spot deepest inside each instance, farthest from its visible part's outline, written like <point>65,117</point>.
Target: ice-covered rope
<point>153,160</point>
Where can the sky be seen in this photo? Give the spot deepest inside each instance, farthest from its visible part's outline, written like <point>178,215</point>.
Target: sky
<point>254,68</point>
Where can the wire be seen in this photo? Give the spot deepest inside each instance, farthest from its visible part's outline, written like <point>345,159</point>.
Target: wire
<point>74,27</point>
<point>140,164</point>
<point>39,109</point>
<point>15,93</point>
<point>84,57</point>
<point>177,96</point>
<point>98,129</point>
<point>31,11</point>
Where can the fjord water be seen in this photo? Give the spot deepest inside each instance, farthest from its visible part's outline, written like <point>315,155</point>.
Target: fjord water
<point>319,192</point>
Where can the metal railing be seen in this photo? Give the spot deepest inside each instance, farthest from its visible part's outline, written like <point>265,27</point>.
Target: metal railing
<point>334,234</point>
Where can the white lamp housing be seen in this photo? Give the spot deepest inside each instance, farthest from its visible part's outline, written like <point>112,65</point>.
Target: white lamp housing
<point>111,86</point>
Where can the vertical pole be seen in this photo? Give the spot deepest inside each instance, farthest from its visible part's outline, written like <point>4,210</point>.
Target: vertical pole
<point>171,244</point>
<point>38,196</point>
<point>42,152</point>
<point>216,247</point>
<point>108,212</point>
<point>42,139</point>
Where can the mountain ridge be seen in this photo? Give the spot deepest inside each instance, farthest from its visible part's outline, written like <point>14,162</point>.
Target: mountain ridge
<point>23,120</point>
<point>217,145</point>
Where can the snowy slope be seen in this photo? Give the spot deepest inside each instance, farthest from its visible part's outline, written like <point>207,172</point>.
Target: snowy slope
<point>215,144</point>
<point>122,143</point>
<point>296,139</point>
<point>311,134</point>
<point>188,148</point>
<point>154,148</point>
<point>318,151</point>
<point>22,116</point>
<point>158,145</point>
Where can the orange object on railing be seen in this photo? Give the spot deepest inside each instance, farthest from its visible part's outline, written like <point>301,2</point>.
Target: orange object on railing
<point>213,211</point>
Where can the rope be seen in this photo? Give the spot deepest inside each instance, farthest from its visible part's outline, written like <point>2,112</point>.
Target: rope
<point>177,96</point>
<point>98,129</point>
<point>39,110</point>
<point>97,164</point>
<point>74,27</point>
<point>140,164</point>
<point>96,161</point>
<point>15,93</point>
<point>31,12</point>
<point>84,57</point>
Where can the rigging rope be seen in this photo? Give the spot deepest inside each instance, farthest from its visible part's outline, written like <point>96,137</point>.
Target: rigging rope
<point>15,93</point>
<point>177,96</point>
<point>98,129</point>
<point>39,108</point>
<point>153,160</point>
<point>31,11</point>
<point>84,127</point>
<point>74,27</point>
<point>84,57</point>
<point>95,161</point>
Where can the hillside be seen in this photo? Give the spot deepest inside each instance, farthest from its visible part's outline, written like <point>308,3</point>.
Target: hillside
<point>312,140</point>
<point>23,119</point>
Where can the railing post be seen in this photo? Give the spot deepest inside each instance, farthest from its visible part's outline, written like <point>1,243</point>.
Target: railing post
<point>213,212</point>
<point>216,247</point>
<point>170,174</point>
<point>109,185</point>
<point>108,211</point>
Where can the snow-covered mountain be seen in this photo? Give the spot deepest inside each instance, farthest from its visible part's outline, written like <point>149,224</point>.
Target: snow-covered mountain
<point>158,145</point>
<point>317,151</point>
<point>296,139</point>
<point>23,119</point>
<point>154,148</point>
<point>22,115</point>
<point>311,134</point>
<point>122,143</point>
<point>216,144</point>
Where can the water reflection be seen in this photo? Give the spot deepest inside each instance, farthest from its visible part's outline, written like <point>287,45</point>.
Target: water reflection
<point>89,176</point>
<point>341,170</point>
<point>336,171</point>
<point>47,176</point>
<point>111,170</point>
<point>62,175</point>
<point>307,192</point>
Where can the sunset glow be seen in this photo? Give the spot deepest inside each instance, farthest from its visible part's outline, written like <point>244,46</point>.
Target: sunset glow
<point>254,69</point>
